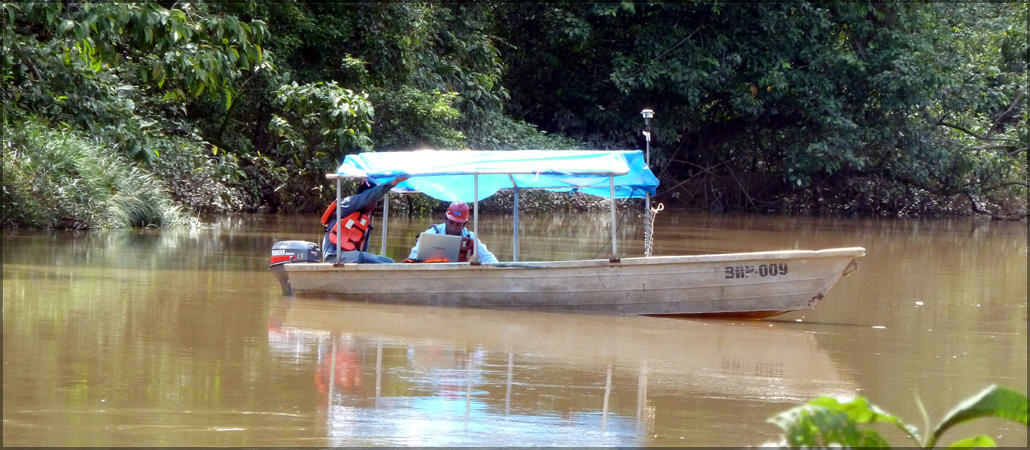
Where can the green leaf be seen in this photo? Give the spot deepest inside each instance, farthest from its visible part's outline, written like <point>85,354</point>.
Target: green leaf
<point>819,426</point>
<point>10,12</point>
<point>975,441</point>
<point>817,417</point>
<point>158,71</point>
<point>993,401</point>
<point>214,150</point>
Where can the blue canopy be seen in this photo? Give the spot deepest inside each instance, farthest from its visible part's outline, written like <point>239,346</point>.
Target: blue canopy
<point>448,175</point>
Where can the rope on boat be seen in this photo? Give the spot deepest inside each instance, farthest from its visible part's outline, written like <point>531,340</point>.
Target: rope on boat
<point>851,267</point>
<point>649,239</point>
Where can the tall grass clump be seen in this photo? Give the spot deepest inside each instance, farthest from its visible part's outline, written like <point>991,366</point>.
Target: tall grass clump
<point>55,178</point>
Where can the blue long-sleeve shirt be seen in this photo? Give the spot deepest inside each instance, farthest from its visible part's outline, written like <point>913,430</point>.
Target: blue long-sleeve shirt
<point>348,205</point>
<point>484,254</point>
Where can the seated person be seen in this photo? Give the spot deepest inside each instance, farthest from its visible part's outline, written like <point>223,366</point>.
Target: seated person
<point>356,216</point>
<point>454,225</point>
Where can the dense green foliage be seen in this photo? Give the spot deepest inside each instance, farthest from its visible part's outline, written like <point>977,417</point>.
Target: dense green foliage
<point>862,107</point>
<point>759,104</point>
<point>827,422</point>
<point>55,178</point>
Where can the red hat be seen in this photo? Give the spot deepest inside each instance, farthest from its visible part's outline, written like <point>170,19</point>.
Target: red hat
<point>458,212</point>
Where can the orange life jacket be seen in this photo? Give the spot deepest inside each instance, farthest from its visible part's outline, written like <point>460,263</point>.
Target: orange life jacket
<point>466,248</point>
<point>353,227</point>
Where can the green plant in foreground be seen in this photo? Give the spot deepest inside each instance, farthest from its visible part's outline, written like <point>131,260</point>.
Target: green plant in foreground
<point>826,421</point>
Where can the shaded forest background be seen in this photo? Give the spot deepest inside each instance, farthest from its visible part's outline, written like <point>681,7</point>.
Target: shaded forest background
<point>139,114</point>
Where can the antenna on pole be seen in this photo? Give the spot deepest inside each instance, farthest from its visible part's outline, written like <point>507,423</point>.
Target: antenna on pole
<point>647,114</point>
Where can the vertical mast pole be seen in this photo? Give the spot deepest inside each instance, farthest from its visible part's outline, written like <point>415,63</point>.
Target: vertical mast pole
<point>515,227</point>
<point>515,219</point>
<point>338,227</point>
<point>475,216</point>
<point>386,215</point>
<point>648,114</point>
<point>611,198</point>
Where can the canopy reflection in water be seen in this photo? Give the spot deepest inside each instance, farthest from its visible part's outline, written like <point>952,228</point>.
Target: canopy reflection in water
<point>445,376</point>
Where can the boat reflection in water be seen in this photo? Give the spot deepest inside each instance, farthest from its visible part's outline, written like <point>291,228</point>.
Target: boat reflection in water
<point>409,375</point>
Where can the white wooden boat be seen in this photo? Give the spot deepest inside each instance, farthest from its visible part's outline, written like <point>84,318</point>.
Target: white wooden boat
<point>741,284</point>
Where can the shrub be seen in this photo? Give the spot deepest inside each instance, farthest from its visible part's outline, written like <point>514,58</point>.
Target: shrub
<point>55,178</point>
<point>205,181</point>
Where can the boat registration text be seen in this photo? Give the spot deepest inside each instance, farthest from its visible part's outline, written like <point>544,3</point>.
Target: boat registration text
<point>761,270</point>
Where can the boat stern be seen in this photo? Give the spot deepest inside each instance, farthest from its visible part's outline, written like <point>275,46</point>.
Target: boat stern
<point>284,252</point>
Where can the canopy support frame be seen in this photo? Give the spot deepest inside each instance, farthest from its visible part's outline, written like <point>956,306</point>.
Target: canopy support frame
<point>337,224</point>
<point>474,260</point>
<point>574,172</point>
<point>386,215</point>
<point>611,198</point>
<point>515,219</point>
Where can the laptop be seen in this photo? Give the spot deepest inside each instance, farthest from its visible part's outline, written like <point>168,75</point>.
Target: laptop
<point>437,246</point>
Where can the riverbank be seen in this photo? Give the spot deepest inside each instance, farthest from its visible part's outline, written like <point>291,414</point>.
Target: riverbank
<point>59,178</point>
<point>70,184</point>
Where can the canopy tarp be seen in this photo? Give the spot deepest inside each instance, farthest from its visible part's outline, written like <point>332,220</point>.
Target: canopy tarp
<point>448,175</point>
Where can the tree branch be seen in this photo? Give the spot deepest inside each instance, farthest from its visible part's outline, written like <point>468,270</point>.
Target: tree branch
<point>31,66</point>
<point>971,133</point>
<point>1010,150</point>
<point>962,129</point>
<point>1015,102</point>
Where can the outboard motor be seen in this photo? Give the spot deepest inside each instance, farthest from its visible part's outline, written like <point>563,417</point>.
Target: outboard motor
<point>291,252</point>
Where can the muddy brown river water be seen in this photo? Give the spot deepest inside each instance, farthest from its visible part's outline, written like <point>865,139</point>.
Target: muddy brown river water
<point>181,338</point>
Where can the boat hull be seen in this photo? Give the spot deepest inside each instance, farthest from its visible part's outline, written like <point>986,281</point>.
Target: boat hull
<point>769,282</point>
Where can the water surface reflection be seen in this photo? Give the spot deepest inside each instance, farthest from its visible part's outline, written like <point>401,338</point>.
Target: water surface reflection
<point>521,378</point>
<point>130,338</point>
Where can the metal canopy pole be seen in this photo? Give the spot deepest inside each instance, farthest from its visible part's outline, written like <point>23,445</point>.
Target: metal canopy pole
<point>515,226</point>
<point>611,197</point>
<point>515,219</point>
<point>337,225</point>
<point>475,217</point>
<point>386,214</point>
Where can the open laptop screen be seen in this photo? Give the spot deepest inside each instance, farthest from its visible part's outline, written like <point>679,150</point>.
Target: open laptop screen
<point>437,246</point>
